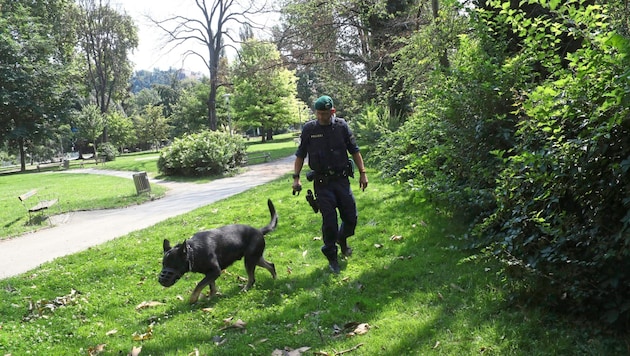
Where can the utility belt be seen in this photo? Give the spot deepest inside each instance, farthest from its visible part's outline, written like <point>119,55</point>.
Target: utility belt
<point>330,175</point>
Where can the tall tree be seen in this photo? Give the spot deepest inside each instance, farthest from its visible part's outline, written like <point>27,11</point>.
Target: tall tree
<point>106,37</point>
<point>211,30</point>
<point>36,54</point>
<point>89,124</point>
<point>352,42</point>
<point>264,91</point>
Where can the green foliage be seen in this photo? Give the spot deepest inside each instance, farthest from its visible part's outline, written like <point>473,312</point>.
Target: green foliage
<point>89,123</point>
<point>121,132</point>
<point>374,123</point>
<point>37,92</point>
<point>202,154</point>
<point>562,199</point>
<point>107,151</point>
<point>152,127</point>
<point>264,91</point>
<point>190,114</point>
<point>461,116</point>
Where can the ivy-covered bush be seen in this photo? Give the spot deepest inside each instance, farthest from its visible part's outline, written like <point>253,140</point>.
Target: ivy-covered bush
<point>202,154</point>
<point>563,213</point>
<point>444,151</point>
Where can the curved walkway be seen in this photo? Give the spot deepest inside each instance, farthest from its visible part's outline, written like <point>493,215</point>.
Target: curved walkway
<point>77,231</point>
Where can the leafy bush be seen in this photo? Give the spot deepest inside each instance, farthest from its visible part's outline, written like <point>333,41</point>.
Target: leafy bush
<point>108,151</point>
<point>204,153</point>
<point>564,196</point>
<point>444,149</point>
<point>373,123</point>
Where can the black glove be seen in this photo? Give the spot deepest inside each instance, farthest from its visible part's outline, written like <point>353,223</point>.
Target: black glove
<point>297,190</point>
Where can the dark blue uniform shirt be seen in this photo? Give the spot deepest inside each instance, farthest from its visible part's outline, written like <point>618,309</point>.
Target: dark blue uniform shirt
<point>327,146</point>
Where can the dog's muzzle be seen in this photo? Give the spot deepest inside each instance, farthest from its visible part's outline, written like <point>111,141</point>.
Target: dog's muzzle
<point>169,276</point>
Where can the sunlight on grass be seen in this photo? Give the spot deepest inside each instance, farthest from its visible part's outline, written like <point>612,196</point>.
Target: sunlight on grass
<point>414,293</point>
<point>75,192</point>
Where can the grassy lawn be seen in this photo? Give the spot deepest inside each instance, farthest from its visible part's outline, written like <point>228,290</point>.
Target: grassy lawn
<point>88,192</point>
<point>406,291</point>
<point>75,192</point>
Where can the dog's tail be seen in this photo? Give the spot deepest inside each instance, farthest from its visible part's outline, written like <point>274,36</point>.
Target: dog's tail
<point>274,219</point>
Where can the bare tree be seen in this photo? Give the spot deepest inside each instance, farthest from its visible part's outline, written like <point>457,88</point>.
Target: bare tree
<point>211,29</point>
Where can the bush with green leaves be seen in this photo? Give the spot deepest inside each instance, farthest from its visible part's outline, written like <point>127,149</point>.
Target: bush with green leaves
<point>107,151</point>
<point>202,154</point>
<point>563,199</point>
<point>463,114</point>
<point>373,123</point>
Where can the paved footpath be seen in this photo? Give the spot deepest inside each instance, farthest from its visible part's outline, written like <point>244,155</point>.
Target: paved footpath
<point>78,231</point>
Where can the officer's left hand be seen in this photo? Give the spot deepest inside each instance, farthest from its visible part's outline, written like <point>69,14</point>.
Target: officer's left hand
<point>363,181</point>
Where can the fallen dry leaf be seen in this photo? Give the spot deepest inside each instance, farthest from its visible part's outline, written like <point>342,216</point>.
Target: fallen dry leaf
<point>239,324</point>
<point>207,310</point>
<point>135,351</point>
<point>290,352</point>
<point>151,304</point>
<point>437,344</point>
<point>194,353</point>
<point>396,238</point>
<point>304,253</point>
<point>378,245</point>
<point>317,238</point>
<point>362,329</point>
<point>111,332</point>
<point>93,351</point>
<point>145,336</point>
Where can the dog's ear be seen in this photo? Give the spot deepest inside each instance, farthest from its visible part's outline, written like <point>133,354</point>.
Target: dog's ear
<point>183,248</point>
<point>166,245</point>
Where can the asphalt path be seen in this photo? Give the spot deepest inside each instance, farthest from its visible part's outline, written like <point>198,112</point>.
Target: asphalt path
<point>77,231</point>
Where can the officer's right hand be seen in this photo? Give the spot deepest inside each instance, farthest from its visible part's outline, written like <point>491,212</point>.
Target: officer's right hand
<point>297,188</point>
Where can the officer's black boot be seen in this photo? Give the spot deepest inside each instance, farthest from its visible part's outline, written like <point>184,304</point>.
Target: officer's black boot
<point>345,249</point>
<point>331,254</point>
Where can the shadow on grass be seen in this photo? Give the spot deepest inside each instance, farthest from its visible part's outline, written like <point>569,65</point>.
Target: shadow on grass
<point>328,301</point>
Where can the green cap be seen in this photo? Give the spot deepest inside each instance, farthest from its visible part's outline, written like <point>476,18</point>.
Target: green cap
<point>324,102</point>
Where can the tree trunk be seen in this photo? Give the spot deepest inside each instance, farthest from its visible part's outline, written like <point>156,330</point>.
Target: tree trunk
<point>22,155</point>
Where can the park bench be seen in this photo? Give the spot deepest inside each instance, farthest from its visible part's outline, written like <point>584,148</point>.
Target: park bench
<point>39,206</point>
<point>258,155</point>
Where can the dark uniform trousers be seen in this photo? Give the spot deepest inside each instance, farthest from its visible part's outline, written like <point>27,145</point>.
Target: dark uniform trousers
<point>332,193</point>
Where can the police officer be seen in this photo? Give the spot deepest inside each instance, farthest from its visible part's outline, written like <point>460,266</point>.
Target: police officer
<point>327,141</point>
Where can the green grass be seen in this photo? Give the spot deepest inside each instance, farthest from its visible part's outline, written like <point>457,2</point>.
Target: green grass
<point>75,192</point>
<point>281,146</point>
<point>89,192</point>
<point>136,162</point>
<point>416,293</point>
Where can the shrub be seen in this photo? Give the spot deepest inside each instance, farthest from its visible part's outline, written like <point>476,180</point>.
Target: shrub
<point>202,154</point>
<point>108,151</point>
<point>563,203</point>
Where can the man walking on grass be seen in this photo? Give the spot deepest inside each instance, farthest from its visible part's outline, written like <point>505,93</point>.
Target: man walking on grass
<point>327,141</point>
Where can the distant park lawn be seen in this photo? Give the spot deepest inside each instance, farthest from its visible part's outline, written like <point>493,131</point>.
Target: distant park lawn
<point>89,191</point>
<point>75,192</point>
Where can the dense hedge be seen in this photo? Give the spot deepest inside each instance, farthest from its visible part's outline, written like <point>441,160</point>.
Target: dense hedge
<point>528,130</point>
<point>202,154</point>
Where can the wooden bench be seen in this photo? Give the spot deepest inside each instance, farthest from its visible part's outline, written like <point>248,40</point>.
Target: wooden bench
<point>38,207</point>
<point>265,155</point>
